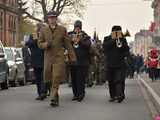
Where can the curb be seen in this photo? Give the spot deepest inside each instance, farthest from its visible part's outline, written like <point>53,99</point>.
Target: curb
<point>155,109</point>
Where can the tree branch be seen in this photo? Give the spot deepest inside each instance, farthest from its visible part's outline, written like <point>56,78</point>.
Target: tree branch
<point>44,8</point>
<point>59,4</point>
<point>62,7</point>
<point>32,17</point>
<point>38,1</point>
<point>69,3</point>
<point>54,4</point>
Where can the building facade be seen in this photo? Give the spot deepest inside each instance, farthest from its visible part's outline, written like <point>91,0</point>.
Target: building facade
<point>156,9</point>
<point>156,30</point>
<point>9,22</point>
<point>147,39</point>
<point>143,42</point>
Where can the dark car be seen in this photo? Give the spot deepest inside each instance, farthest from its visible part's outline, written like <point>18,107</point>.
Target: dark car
<point>3,68</point>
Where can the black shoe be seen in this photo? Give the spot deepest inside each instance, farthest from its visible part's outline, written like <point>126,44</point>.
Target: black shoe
<point>48,94</point>
<point>42,97</point>
<point>112,99</point>
<point>90,85</point>
<point>74,98</point>
<point>54,103</point>
<point>80,98</point>
<point>38,98</point>
<point>120,99</point>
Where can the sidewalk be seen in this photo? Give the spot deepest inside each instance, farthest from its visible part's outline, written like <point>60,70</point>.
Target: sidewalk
<point>153,89</point>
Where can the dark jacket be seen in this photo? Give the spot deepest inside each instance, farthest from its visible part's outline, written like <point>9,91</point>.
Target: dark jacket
<point>138,62</point>
<point>82,52</point>
<point>115,55</point>
<point>26,56</point>
<point>37,54</point>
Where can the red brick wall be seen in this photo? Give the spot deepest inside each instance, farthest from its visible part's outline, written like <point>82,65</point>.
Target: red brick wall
<point>9,21</point>
<point>11,3</point>
<point>2,25</point>
<point>11,27</point>
<point>2,1</point>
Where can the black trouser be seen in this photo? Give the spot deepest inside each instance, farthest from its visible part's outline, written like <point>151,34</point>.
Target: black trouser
<point>78,77</point>
<point>41,87</point>
<point>26,72</point>
<point>152,73</point>
<point>116,81</point>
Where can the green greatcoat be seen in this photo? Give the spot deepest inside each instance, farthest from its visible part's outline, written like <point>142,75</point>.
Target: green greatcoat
<point>54,58</point>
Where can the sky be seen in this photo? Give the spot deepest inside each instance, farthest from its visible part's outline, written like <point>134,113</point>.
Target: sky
<point>130,14</point>
<point>103,14</point>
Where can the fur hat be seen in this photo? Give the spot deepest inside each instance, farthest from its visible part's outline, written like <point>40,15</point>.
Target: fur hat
<point>116,28</point>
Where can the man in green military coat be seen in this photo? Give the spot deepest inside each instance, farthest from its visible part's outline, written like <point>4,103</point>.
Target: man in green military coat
<point>54,40</point>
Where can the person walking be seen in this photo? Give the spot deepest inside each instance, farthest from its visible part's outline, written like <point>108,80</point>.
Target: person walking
<point>54,40</point>
<point>37,59</point>
<point>79,71</point>
<point>115,50</point>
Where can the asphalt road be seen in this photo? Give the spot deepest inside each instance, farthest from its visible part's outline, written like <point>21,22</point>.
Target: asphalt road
<point>19,104</point>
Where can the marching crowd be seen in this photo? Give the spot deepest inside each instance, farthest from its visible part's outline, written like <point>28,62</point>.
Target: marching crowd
<point>57,56</point>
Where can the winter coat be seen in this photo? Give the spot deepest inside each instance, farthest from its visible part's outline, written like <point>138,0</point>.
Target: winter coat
<point>115,55</point>
<point>82,51</point>
<point>37,54</point>
<point>54,42</point>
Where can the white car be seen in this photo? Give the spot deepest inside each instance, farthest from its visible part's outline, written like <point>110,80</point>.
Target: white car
<point>12,66</point>
<point>16,66</point>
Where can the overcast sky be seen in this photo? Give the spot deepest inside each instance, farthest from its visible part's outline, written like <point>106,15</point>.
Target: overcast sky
<point>103,14</point>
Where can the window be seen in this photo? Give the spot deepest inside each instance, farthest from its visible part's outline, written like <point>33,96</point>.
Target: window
<point>9,21</point>
<point>0,34</point>
<point>8,2</point>
<point>1,19</point>
<point>16,2</point>
<point>12,2</point>
<point>9,54</point>
<point>14,23</point>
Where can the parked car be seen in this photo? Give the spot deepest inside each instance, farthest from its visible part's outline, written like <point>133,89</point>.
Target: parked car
<point>3,68</point>
<point>16,66</point>
<point>12,66</point>
<point>20,68</point>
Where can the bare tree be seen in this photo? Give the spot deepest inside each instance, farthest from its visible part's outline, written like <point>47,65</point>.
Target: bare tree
<point>41,7</point>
